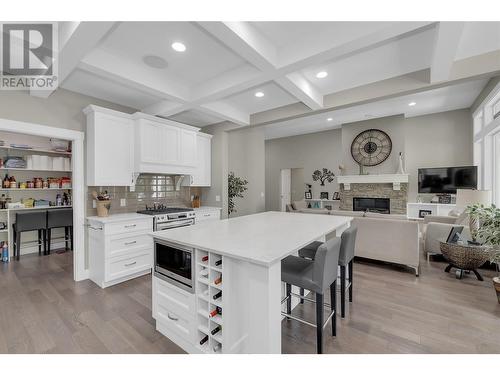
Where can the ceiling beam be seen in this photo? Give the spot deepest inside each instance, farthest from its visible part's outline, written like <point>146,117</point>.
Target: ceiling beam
<point>226,112</point>
<point>76,41</point>
<point>445,47</point>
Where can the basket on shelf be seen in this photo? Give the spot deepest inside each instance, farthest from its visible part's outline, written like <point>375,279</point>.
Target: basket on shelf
<point>466,257</point>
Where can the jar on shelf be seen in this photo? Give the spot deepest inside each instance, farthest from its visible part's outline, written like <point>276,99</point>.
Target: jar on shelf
<point>12,183</point>
<point>30,184</point>
<point>45,184</point>
<point>38,183</point>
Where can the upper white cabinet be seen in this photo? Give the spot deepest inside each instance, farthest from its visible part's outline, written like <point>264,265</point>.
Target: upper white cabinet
<point>164,147</point>
<point>120,146</point>
<point>110,147</point>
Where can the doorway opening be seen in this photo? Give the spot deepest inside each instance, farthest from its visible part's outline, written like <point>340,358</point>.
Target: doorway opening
<point>291,186</point>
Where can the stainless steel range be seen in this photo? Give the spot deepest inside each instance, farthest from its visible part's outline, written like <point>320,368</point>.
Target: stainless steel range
<point>169,217</point>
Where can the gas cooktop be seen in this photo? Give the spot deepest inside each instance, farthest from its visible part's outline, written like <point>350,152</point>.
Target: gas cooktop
<point>161,209</point>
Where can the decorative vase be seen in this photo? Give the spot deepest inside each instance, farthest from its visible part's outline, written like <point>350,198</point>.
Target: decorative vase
<point>401,169</point>
<point>496,284</point>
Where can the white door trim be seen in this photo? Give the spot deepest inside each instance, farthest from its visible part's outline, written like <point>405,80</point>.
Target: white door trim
<point>78,183</point>
<point>285,173</point>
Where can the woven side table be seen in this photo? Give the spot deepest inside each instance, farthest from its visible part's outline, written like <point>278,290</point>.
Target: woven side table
<point>464,258</point>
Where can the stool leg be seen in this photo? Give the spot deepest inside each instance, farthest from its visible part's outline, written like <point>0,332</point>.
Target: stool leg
<point>351,277</point>
<point>333,302</point>
<point>302,294</point>
<point>71,237</point>
<point>18,244</point>
<point>44,234</point>
<point>66,237</point>
<point>319,323</point>
<point>14,236</point>
<point>49,235</point>
<point>289,300</point>
<point>342,291</point>
<point>39,242</point>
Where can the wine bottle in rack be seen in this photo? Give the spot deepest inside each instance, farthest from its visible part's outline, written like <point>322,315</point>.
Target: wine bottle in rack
<point>204,272</point>
<point>204,340</point>
<point>218,262</point>
<point>217,348</point>
<point>216,329</point>
<point>217,295</point>
<point>218,280</point>
<point>205,258</point>
<point>215,311</point>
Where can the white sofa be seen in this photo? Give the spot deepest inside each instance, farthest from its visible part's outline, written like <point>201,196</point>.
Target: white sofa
<point>388,238</point>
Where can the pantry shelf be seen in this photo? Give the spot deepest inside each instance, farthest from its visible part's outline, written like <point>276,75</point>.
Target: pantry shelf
<point>34,189</point>
<point>35,170</point>
<point>35,150</point>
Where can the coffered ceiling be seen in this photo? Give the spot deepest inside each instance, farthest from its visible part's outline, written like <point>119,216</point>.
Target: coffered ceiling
<point>225,64</point>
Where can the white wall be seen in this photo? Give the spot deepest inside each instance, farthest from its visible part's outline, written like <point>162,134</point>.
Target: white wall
<point>297,185</point>
<point>310,152</point>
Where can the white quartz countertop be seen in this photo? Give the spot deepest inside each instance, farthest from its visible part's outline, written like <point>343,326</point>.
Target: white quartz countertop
<point>119,217</point>
<point>263,238</point>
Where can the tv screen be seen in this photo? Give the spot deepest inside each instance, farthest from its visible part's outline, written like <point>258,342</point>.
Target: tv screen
<point>446,180</point>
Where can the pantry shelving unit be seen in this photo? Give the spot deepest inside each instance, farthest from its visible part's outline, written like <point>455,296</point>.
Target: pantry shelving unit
<point>207,273</point>
<point>41,149</point>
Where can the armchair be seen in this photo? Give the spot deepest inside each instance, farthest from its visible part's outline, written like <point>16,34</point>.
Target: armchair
<point>437,229</point>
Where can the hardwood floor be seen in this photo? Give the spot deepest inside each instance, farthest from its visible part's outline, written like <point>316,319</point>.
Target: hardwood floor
<point>43,311</point>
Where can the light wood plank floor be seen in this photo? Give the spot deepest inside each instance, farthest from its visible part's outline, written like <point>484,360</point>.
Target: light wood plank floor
<point>43,311</point>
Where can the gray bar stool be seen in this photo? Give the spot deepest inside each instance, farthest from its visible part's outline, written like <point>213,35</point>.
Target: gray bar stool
<point>346,259</point>
<point>60,218</point>
<point>28,222</point>
<point>317,276</point>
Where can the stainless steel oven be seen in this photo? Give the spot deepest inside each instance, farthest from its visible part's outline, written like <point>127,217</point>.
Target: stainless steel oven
<point>175,264</point>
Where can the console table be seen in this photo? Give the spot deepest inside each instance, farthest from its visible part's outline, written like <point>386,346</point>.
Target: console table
<point>440,209</point>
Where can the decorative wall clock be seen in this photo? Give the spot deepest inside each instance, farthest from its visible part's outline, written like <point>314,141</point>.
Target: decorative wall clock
<point>371,147</point>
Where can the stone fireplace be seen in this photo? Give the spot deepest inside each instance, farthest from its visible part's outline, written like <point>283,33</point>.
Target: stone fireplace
<point>379,205</point>
<point>393,189</point>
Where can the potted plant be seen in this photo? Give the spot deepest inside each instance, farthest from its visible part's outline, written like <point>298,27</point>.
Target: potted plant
<point>236,187</point>
<point>487,232</point>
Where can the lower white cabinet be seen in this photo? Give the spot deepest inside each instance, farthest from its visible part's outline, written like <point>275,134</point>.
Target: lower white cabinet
<point>203,214</point>
<point>120,248</point>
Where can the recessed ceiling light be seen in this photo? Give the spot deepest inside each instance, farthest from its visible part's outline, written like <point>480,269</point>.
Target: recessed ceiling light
<point>154,61</point>
<point>329,119</point>
<point>411,104</point>
<point>322,74</point>
<point>259,94</point>
<point>178,46</point>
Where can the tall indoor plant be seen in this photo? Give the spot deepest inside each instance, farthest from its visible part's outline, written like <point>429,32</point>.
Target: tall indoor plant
<point>236,186</point>
<point>487,232</point>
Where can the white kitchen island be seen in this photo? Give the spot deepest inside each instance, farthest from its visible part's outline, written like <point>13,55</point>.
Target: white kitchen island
<point>251,248</point>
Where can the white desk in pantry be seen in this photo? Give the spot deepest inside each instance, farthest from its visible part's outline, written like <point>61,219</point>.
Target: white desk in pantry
<point>251,248</point>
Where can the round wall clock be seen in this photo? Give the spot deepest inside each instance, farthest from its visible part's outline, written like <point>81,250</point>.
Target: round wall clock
<point>371,147</point>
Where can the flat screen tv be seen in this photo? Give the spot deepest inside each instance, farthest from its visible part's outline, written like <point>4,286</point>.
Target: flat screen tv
<point>446,180</point>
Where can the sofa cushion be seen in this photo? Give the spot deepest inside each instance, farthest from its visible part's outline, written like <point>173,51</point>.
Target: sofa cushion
<point>386,216</point>
<point>347,213</point>
<point>299,205</point>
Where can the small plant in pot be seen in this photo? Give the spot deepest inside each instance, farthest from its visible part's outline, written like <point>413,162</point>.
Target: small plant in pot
<point>487,232</point>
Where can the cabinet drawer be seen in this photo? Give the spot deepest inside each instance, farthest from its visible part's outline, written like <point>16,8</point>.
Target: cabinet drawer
<point>207,215</point>
<point>129,226</point>
<point>127,265</point>
<point>183,325</point>
<point>124,245</point>
<point>177,300</point>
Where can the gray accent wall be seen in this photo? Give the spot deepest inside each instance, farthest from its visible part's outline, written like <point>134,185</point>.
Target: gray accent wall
<point>440,139</point>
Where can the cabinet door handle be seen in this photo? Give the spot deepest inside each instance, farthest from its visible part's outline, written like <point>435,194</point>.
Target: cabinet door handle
<point>130,264</point>
<point>172,318</point>
<point>130,226</point>
<point>130,243</point>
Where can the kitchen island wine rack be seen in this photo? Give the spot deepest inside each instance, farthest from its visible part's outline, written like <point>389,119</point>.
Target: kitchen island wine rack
<point>209,284</point>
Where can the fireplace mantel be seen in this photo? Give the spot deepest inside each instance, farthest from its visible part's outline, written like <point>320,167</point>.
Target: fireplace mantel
<point>395,179</point>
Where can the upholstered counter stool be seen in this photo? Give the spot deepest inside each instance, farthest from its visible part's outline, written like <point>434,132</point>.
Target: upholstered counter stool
<point>28,222</point>
<point>60,218</point>
<point>346,259</point>
<point>317,276</point>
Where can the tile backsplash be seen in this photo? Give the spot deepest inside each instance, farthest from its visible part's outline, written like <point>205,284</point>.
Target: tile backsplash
<point>149,189</point>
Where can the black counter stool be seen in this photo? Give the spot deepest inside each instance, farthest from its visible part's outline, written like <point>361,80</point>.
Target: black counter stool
<point>28,222</point>
<point>317,276</point>
<point>60,218</point>
<point>346,259</point>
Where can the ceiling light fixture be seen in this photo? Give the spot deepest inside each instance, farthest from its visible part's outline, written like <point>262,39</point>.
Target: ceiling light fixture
<point>411,104</point>
<point>329,119</point>
<point>178,46</point>
<point>154,61</point>
<point>322,74</point>
<point>259,94</point>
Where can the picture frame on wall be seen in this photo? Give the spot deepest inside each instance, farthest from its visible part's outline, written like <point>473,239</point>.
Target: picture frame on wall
<point>336,196</point>
<point>424,213</point>
<point>308,195</point>
<point>323,195</point>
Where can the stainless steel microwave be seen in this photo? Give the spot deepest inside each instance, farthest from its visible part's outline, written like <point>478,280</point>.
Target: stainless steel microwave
<point>175,264</point>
